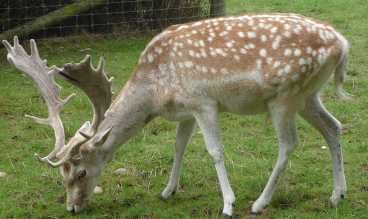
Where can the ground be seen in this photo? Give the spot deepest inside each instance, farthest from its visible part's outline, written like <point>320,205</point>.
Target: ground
<point>33,190</point>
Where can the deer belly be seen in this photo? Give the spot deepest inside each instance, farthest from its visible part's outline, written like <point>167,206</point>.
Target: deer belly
<point>177,115</point>
<point>242,104</point>
<point>242,96</point>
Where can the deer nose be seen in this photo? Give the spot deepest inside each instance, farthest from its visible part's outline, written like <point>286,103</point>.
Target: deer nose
<point>70,209</point>
<point>74,209</point>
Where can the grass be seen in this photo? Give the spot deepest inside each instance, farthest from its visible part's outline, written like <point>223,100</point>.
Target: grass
<point>33,190</point>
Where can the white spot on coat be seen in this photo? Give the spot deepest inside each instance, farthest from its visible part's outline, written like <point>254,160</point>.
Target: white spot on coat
<point>203,53</point>
<point>191,53</point>
<point>276,42</point>
<point>220,51</point>
<point>228,28</point>
<point>252,34</point>
<point>314,53</point>
<point>229,44</point>
<point>287,34</point>
<point>263,52</point>
<point>276,64</point>
<point>158,50</point>
<point>309,50</point>
<point>287,52</point>
<point>259,63</point>
<point>224,71</point>
<point>243,51</point>
<point>280,72</point>
<point>273,30</point>
<point>264,38</point>
<point>269,60</point>
<point>223,33</point>
<point>302,61</point>
<point>297,52</point>
<point>201,43</point>
<point>241,34</point>
<point>287,69</point>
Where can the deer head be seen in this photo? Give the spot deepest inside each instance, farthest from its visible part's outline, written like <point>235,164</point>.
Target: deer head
<point>79,160</point>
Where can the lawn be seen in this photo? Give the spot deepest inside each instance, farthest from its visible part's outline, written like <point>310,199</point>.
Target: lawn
<point>33,190</point>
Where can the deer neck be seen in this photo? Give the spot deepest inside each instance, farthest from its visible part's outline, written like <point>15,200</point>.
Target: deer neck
<point>127,115</point>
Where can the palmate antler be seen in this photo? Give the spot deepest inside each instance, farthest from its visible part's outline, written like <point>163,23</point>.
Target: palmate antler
<point>43,76</point>
<point>95,83</point>
<point>92,81</point>
<point>97,86</point>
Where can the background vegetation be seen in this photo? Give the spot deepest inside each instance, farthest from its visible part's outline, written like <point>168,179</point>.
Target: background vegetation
<point>33,190</point>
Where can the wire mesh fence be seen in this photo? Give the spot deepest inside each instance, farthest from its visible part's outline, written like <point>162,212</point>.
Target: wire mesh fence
<point>58,18</point>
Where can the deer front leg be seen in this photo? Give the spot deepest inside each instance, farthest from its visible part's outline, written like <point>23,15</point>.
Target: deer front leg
<point>184,132</point>
<point>284,123</point>
<point>207,121</point>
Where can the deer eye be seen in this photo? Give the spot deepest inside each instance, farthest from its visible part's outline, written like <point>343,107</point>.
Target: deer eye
<point>66,167</point>
<point>82,174</point>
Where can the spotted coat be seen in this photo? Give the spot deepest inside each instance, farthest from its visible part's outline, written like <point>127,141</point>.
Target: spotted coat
<point>261,55</point>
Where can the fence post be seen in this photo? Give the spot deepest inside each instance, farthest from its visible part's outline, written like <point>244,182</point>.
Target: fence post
<point>217,8</point>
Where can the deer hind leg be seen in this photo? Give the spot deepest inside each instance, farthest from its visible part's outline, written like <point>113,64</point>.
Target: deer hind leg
<point>207,121</point>
<point>183,134</point>
<point>283,120</point>
<point>317,115</point>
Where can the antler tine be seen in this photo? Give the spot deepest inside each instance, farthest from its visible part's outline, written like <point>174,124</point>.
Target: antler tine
<point>95,83</point>
<point>43,76</point>
<point>65,155</point>
<point>34,49</point>
<point>87,60</point>
<point>101,65</point>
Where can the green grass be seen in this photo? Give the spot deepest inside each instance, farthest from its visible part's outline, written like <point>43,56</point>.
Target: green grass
<point>33,190</point>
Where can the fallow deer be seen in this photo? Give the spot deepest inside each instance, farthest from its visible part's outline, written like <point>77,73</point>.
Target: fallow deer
<point>250,64</point>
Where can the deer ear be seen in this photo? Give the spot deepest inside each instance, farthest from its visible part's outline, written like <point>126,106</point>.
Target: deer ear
<point>83,130</point>
<point>101,137</point>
